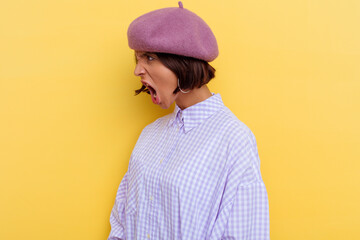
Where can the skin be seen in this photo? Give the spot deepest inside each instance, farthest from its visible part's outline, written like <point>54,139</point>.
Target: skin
<point>152,72</point>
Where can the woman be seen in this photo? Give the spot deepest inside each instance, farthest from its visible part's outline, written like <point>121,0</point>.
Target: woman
<point>195,173</point>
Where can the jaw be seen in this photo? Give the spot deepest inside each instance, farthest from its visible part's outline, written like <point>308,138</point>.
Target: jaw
<point>167,102</point>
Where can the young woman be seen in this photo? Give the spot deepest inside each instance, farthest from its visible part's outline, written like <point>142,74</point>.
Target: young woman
<point>195,173</point>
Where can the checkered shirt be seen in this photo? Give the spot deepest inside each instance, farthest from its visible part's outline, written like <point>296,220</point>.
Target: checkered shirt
<point>194,174</point>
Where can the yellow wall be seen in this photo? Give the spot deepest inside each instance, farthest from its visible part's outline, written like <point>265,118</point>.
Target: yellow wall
<point>68,118</point>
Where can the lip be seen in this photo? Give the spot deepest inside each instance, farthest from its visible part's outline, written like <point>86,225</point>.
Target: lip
<point>146,84</point>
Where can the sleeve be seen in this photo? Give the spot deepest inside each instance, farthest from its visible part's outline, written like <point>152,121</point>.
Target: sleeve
<point>244,210</point>
<point>249,215</point>
<point>117,217</point>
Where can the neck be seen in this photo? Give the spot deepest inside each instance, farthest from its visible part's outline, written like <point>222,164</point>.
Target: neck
<point>196,95</point>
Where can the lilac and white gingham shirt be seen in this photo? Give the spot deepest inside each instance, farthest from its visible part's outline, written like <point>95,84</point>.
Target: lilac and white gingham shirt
<point>194,174</point>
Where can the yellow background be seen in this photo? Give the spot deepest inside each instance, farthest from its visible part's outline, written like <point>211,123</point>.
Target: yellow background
<point>290,70</point>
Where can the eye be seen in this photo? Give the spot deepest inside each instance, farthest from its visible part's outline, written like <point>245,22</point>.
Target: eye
<point>149,58</point>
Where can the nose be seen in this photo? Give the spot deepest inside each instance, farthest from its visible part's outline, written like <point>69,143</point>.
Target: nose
<point>139,69</point>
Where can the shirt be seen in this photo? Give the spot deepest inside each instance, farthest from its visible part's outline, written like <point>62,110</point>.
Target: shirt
<point>193,174</point>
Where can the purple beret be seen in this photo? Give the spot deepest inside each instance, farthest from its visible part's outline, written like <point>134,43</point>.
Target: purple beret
<point>173,30</point>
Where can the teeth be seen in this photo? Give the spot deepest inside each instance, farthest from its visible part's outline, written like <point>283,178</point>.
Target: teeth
<point>154,95</point>
<point>146,84</point>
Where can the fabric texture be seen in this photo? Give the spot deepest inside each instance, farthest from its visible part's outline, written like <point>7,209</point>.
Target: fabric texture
<point>193,174</point>
<point>173,30</point>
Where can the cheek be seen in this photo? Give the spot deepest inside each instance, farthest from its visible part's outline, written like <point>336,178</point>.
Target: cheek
<point>168,82</point>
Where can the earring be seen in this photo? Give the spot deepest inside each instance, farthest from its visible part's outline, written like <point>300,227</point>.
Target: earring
<point>181,89</point>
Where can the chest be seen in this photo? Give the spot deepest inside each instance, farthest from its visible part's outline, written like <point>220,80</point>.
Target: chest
<point>180,165</point>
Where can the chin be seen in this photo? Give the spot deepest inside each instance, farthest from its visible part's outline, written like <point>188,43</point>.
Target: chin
<point>164,106</point>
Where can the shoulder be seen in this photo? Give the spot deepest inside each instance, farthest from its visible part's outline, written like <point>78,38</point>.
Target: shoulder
<point>155,127</point>
<point>158,123</point>
<point>233,127</point>
<point>240,141</point>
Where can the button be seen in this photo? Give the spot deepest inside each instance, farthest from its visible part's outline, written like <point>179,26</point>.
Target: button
<point>151,198</point>
<point>148,235</point>
<point>161,160</point>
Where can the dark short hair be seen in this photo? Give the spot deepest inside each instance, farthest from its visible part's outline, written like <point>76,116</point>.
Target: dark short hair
<point>192,72</point>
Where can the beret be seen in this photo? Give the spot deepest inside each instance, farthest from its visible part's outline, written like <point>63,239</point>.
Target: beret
<point>173,30</point>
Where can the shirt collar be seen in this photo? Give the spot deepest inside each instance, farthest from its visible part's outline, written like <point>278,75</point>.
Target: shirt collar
<point>194,115</point>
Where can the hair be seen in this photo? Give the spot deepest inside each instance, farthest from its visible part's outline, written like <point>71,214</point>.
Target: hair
<point>192,72</point>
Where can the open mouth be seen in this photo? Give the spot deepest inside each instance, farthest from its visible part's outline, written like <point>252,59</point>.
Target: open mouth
<point>150,90</point>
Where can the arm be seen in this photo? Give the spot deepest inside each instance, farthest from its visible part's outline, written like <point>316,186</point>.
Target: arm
<point>249,215</point>
<point>249,212</point>
<point>117,216</point>
<point>244,209</point>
